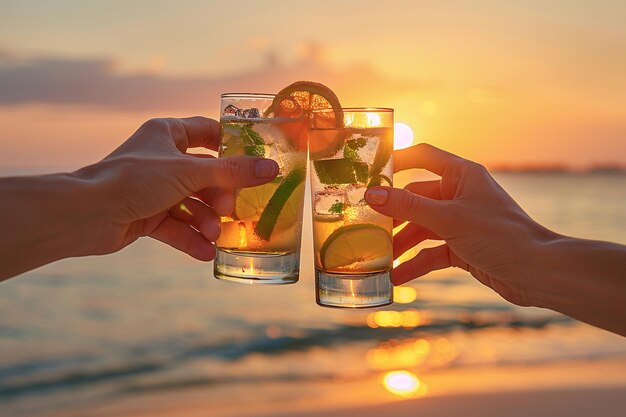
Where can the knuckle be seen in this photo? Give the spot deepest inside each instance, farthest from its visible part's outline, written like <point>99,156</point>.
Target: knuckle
<point>176,127</point>
<point>422,146</point>
<point>408,202</point>
<point>472,168</point>
<point>233,168</point>
<point>156,123</point>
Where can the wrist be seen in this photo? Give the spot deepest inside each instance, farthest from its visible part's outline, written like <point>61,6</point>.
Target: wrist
<point>93,201</point>
<point>75,212</point>
<point>539,262</point>
<point>44,219</point>
<point>584,279</point>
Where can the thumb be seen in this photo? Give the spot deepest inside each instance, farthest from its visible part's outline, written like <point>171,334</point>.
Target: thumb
<point>405,205</point>
<point>230,172</point>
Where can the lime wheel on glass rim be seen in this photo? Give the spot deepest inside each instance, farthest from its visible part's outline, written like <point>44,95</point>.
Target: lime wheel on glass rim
<point>304,102</point>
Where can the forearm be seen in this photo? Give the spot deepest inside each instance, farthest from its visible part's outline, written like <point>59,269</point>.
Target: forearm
<point>44,219</point>
<point>584,279</point>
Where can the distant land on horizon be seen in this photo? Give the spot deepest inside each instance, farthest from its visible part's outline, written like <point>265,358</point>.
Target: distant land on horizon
<point>526,168</point>
<point>559,168</point>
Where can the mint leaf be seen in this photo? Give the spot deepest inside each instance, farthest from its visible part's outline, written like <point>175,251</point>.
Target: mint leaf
<point>250,137</point>
<point>350,151</point>
<point>336,207</point>
<point>340,171</point>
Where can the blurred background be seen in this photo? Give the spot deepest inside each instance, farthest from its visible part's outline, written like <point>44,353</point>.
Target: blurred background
<point>534,90</point>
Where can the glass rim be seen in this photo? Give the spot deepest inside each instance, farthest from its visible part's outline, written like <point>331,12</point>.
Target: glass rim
<point>247,95</point>
<point>358,110</point>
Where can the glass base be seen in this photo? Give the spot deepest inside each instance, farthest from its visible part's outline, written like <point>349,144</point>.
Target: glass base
<point>353,291</point>
<point>257,268</point>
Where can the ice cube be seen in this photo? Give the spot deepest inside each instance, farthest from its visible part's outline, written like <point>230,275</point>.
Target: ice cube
<point>231,110</point>
<point>234,111</point>
<point>367,153</point>
<point>274,153</point>
<point>252,113</point>
<point>329,204</point>
<point>270,133</point>
<point>356,195</point>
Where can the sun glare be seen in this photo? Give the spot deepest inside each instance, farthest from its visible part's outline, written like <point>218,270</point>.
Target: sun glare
<point>404,295</point>
<point>402,136</point>
<point>402,383</point>
<point>373,119</point>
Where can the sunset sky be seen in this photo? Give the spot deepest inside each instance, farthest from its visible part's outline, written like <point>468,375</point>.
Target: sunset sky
<point>522,82</point>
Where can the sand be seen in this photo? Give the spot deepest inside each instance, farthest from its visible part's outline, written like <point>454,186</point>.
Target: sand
<point>555,403</point>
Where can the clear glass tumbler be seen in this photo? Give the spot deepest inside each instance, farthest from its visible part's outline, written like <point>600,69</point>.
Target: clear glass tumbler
<point>260,241</point>
<point>352,242</point>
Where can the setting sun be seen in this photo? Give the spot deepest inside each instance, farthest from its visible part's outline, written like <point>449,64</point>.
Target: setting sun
<point>402,136</point>
<point>402,383</point>
<point>316,186</point>
<point>373,119</point>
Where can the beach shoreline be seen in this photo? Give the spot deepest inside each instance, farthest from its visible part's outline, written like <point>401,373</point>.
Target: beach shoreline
<point>554,389</point>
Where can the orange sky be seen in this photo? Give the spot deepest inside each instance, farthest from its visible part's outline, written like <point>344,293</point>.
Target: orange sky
<point>499,83</point>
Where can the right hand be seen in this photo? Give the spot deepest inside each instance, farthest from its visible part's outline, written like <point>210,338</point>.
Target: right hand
<point>485,231</point>
<point>151,186</point>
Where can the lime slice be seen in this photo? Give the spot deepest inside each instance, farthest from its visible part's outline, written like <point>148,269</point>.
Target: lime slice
<point>306,96</point>
<point>250,202</point>
<point>366,244</point>
<point>281,200</point>
<point>324,143</point>
<point>298,101</point>
<point>381,179</point>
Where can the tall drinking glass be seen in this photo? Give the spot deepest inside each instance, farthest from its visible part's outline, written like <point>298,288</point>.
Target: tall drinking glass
<point>352,242</point>
<point>260,240</point>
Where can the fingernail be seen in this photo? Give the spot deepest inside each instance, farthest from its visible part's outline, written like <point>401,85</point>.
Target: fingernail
<point>376,196</point>
<point>265,168</point>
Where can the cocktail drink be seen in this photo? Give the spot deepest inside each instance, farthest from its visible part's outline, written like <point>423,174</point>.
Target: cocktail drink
<point>352,242</point>
<point>260,241</point>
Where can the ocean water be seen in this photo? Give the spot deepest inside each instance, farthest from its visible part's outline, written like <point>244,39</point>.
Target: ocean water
<point>149,319</point>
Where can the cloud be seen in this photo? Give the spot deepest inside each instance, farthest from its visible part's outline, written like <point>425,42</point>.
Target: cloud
<point>96,82</point>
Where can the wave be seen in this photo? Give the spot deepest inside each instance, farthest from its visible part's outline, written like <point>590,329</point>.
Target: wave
<point>44,376</point>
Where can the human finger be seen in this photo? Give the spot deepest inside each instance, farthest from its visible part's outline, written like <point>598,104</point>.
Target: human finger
<point>409,237</point>
<point>398,222</point>
<point>403,204</point>
<point>425,156</point>
<point>221,199</point>
<point>231,172</point>
<point>188,132</point>
<point>430,189</point>
<point>183,237</point>
<point>201,155</point>
<point>427,260</point>
<point>202,217</point>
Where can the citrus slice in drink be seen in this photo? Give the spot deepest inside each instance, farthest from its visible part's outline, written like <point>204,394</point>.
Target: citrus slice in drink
<point>250,202</point>
<point>277,205</point>
<point>241,139</point>
<point>284,206</point>
<point>357,247</point>
<point>299,101</point>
